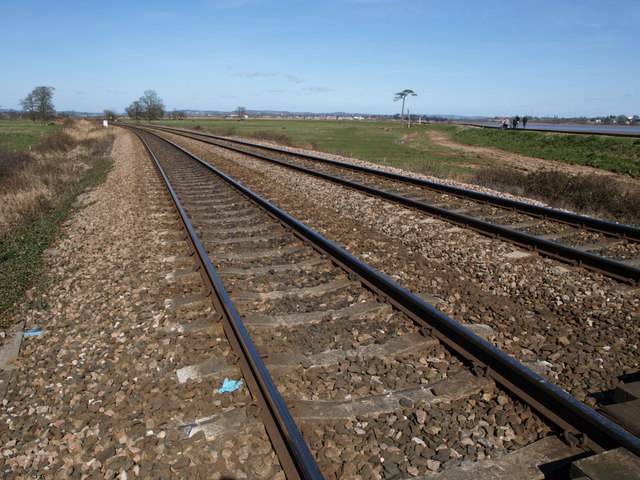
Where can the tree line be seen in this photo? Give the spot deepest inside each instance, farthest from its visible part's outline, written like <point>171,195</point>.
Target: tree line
<point>38,105</point>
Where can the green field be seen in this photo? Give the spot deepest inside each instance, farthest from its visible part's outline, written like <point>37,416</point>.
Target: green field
<point>387,143</point>
<point>620,155</point>
<point>22,134</point>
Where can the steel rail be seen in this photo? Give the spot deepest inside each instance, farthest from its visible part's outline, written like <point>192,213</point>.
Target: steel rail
<point>618,270</point>
<point>590,223</point>
<point>579,422</point>
<point>293,453</point>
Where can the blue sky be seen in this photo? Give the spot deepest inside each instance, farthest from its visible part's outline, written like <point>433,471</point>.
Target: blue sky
<point>465,57</point>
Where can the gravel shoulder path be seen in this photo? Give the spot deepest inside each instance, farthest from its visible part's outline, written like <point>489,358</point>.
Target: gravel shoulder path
<point>97,395</point>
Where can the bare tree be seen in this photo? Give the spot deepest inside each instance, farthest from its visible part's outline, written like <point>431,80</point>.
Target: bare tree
<point>39,104</point>
<point>29,107</point>
<point>241,113</point>
<point>109,115</point>
<point>134,111</point>
<point>178,114</point>
<point>152,106</point>
<point>149,106</point>
<point>403,96</point>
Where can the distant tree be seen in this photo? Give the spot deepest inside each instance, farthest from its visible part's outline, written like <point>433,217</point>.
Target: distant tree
<point>403,96</point>
<point>152,106</point>
<point>134,111</point>
<point>178,114</point>
<point>109,115</point>
<point>149,106</point>
<point>241,112</point>
<point>38,105</point>
<point>29,108</point>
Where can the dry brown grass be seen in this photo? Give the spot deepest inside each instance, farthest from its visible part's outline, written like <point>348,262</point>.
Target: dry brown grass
<point>593,195</point>
<point>32,181</point>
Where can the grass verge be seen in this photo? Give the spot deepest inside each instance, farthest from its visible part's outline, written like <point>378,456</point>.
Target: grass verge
<point>619,155</point>
<point>21,248</point>
<point>21,253</point>
<point>593,195</point>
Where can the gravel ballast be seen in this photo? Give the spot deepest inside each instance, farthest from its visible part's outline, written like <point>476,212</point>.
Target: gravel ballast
<point>576,327</point>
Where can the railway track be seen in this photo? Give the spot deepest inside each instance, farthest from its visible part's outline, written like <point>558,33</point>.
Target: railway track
<point>577,329</point>
<point>380,384</point>
<point>609,248</point>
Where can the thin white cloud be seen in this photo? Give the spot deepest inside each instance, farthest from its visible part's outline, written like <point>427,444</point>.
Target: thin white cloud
<point>293,78</point>
<point>316,89</point>
<point>255,74</point>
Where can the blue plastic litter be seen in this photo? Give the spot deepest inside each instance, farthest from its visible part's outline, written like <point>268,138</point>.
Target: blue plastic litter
<point>33,332</point>
<point>230,385</point>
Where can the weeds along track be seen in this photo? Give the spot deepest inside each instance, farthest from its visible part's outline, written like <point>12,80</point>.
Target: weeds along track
<point>380,384</point>
<point>609,248</point>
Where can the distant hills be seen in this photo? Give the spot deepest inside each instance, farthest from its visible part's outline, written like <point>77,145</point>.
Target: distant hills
<point>63,113</point>
<point>288,114</point>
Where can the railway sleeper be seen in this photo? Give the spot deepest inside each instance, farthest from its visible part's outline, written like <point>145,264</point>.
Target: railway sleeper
<point>309,292</point>
<point>455,387</point>
<point>198,206</point>
<point>313,263</point>
<point>261,227</point>
<point>542,459</point>
<point>236,215</point>
<point>250,256</point>
<point>356,311</point>
<point>561,234</point>
<point>395,347</point>
<point>600,245</point>
<point>211,240</point>
<point>217,427</point>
